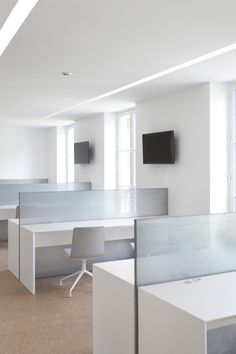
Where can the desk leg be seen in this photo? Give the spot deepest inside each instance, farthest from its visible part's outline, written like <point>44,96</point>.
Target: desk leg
<point>13,248</point>
<point>27,259</point>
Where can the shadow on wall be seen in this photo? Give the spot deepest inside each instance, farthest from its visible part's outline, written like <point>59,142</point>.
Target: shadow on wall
<point>176,148</point>
<point>91,153</point>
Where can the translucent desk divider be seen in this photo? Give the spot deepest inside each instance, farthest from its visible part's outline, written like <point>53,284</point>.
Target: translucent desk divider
<point>177,248</point>
<point>9,193</point>
<point>48,207</point>
<point>24,181</point>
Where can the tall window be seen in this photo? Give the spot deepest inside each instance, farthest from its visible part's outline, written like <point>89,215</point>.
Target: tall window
<point>126,150</point>
<point>232,162</point>
<point>70,155</point>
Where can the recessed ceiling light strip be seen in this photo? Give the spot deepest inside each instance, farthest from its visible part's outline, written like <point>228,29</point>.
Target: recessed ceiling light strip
<point>14,21</point>
<point>158,75</point>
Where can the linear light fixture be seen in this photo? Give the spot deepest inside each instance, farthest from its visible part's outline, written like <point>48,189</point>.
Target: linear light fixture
<point>14,21</point>
<point>158,75</point>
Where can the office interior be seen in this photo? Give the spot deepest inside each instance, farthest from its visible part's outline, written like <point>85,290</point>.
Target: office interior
<point>117,177</point>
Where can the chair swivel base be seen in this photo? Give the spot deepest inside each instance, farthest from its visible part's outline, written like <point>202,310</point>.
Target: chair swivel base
<point>80,274</point>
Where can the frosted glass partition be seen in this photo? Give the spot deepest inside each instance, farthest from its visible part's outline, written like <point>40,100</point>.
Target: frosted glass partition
<point>9,193</point>
<point>24,181</point>
<point>46,207</point>
<point>175,248</point>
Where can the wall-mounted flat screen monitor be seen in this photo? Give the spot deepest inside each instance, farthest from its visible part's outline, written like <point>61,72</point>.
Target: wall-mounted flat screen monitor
<point>81,152</point>
<point>159,148</point>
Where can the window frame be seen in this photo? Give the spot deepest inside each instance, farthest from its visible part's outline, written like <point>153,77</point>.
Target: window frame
<point>70,127</point>
<point>132,149</point>
<point>232,148</point>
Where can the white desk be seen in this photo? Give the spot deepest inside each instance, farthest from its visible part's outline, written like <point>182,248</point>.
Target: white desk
<point>13,247</point>
<point>194,317</point>
<point>113,307</point>
<point>22,260</point>
<point>197,316</point>
<point>6,212</point>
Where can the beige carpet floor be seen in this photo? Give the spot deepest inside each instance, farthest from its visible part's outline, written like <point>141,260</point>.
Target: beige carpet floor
<point>48,322</point>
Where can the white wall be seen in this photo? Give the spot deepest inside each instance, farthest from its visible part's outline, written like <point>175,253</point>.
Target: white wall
<point>52,155</point>
<point>23,152</point>
<point>61,155</point>
<point>91,129</point>
<point>187,112</point>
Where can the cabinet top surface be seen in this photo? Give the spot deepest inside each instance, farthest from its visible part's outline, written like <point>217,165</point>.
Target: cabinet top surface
<point>123,269</point>
<point>208,298</point>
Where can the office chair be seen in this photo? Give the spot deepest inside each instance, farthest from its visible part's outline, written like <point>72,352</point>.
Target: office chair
<point>87,243</point>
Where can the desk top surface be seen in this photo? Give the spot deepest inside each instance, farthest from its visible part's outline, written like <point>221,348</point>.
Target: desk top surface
<point>4,206</point>
<point>7,211</point>
<point>208,298</point>
<point>123,269</point>
<point>63,226</point>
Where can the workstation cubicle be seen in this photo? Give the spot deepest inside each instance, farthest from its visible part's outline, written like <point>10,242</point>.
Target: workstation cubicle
<point>47,220</point>
<point>24,181</point>
<point>9,199</point>
<point>9,196</point>
<point>178,294</point>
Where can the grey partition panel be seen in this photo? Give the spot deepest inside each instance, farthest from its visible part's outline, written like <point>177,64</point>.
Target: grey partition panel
<point>24,181</point>
<point>46,207</point>
<point>175,248</point>
<point>9,193</point>
<point>222,340</point>
<point>83,186</point>
<point>3,230</point>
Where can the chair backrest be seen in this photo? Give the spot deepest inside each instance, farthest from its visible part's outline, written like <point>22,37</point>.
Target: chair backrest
<point>88,242</point>
<point>17,212</point>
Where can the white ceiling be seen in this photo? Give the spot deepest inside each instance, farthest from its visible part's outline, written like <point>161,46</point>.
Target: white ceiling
<point>5,9</point>
<point>220,69</point>
<point>106,45</point>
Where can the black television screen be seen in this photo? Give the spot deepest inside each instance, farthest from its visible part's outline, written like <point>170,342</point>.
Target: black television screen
<point>159,148</point>
<point>81,152</point>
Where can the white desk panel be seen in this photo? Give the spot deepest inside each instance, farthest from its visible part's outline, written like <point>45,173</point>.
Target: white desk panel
<point>7,212</point>
<point>55,226</point>
<point>113,307</point>
<point>13,246</point>
<point>55,234</point>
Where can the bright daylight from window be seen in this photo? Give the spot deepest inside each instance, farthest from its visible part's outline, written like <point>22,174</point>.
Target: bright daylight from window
<point>70,155</point>
<point>126,150</point>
